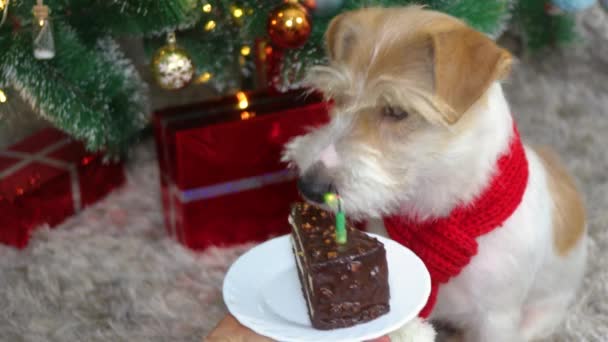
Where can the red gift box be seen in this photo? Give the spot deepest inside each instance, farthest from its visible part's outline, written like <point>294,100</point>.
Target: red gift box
<point>47,178</point>
<point>221,176</point>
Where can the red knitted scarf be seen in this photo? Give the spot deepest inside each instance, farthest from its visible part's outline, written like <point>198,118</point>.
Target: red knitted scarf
<point>446,245</point>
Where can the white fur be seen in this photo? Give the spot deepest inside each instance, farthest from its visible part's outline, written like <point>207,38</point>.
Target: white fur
<point>457,175</point>
<point>517,288</point>
<point>417,330</point>
<point>329,157</point>
<point>370,177</point>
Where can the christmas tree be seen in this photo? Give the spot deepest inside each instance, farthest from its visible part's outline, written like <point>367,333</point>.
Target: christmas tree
<point>63,59</point>
<point>68,67</point>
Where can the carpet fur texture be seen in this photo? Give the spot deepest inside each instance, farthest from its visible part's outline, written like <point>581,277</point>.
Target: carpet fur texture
<point>111,273</point>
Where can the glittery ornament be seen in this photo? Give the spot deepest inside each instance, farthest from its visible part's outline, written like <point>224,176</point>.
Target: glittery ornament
<point>289,25</point>
<point>172,66</point>
<point>43,41</point>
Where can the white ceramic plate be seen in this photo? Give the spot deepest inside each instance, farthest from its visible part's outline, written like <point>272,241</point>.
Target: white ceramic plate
<point>263,292</point>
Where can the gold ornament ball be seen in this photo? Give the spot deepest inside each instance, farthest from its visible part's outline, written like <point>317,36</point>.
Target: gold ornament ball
<point>289,25</point>
<point>172,67</point>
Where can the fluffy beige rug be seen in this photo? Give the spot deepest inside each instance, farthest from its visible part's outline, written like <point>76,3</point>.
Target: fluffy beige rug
<point>111,274</point>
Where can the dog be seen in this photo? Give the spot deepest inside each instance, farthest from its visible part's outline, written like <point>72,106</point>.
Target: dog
<point>419,129</point>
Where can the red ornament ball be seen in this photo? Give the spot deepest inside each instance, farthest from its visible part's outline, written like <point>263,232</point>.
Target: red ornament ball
<point>289,25</point>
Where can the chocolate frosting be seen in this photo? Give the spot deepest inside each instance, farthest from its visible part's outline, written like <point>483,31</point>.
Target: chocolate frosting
<point>344,284</point>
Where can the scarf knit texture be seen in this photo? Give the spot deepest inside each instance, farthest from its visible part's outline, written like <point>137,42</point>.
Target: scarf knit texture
<point>446,245</point>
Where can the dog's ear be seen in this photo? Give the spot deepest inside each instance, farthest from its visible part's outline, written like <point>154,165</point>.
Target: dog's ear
<point>340,37</point>
<point>465,64</point>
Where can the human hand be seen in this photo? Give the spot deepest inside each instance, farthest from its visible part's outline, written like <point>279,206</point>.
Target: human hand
<point>230,330</point>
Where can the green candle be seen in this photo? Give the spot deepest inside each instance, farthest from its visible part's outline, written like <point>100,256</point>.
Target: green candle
<point>340,228</point>
<point>335,203</point>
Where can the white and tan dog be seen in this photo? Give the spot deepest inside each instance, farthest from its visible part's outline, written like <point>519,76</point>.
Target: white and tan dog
<point>418,125</point>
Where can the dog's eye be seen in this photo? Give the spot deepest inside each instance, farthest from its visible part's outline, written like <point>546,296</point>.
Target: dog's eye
<point>395,113</point>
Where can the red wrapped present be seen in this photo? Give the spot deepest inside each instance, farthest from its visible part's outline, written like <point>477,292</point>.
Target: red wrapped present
<point>221,176</point>
<point>47,178</point>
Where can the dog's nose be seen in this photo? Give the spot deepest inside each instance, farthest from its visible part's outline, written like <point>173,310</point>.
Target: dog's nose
<point>315,183</point>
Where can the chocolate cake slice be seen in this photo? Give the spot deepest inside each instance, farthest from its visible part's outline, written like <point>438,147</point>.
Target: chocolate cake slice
<point>343,285</point>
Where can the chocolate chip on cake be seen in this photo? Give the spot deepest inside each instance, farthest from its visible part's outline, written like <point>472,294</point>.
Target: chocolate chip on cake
<point>354,266</point>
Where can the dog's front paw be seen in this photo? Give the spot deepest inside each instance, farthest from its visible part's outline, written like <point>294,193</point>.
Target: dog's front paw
<point>417,330</point>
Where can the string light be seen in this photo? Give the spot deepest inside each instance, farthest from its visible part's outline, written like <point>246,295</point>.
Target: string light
<point>237,12</point>
<point>204,78</point>
<point>247,115</point>
<point>210,25</point>
<point>206,8</point>
<point>4,8</point>
<point>245,50</point>
<point>3,98</point>
<point>242,98</point>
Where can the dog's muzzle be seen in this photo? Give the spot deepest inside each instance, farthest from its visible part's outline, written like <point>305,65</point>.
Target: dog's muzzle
<point>315,183</point>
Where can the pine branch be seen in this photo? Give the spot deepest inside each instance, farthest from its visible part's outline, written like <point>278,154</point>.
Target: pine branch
<point>136,17</point>
<point>541,29</point>
<point>93,97</point>
<point>489,16</point>
<point>95,18</point>
<point>129,106</point>
<point>92,92</point>
<point>486,16</point>
<point>5,42</point>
